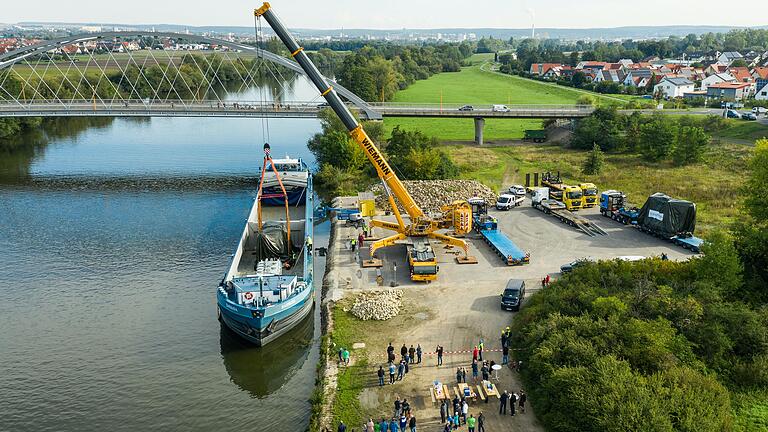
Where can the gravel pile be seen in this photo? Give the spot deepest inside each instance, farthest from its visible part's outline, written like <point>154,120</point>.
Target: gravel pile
<point>430,195</point>
<point>377,305</point>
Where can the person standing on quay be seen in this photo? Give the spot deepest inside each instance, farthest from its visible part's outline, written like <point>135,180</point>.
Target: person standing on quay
<point>481,422</point>
<point>512,403</point>
<point>464,375</point>
<point>504,355</point>
<point>403,351</point>
<point>471,423</point>
<point>384,425</point>
<point>458,375</point>
<point>342,427</point>
<point>439,351</point>
<point>418,353</point>
<point>474,371</point>
<point>412,424</point>
<point>393,425</point>
<point>380,373</point>
<point>392,373</point>
<point>443,411</point>
<point>480,347</point>
<point>412,354</point>
<point>523,398</point>
<point>474,353</point>
<point>503,403</point>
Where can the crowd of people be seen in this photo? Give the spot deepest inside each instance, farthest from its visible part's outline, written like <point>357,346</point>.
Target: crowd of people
<point>453,413</point>
<point>399,369</point>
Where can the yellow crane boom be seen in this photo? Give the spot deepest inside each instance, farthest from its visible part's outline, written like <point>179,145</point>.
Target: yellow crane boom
<point>420,224</point>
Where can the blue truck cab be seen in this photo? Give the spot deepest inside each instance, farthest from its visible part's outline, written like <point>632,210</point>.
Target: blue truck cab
<point>613,204</point>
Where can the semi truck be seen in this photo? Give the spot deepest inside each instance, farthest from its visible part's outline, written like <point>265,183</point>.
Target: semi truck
<point>568,195</point>
<point>541,200</point>
<point>589,196</point>
<point>661,216</point>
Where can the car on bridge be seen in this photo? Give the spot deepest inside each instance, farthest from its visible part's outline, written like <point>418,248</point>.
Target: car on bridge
<point>467,108</point>
<point>500,108</point>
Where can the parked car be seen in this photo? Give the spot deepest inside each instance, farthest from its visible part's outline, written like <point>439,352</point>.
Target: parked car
<point>748,116</point>
<point>513,294</point>
<point>567,268</point>
<point>516,190</point>
<point>732,114</point>
<point>500,108</point>
<point>759,110</point>
<point>507,201</point>
<point>467,108</point>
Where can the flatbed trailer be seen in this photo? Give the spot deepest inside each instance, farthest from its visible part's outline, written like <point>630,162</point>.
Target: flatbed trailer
<point>557,209</point>
<point>487,226</point>
<point>509,252</point>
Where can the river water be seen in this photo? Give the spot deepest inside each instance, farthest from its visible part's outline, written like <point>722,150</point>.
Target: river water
<point>112,241</point>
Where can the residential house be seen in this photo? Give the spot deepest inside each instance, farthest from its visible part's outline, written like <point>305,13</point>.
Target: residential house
<point>555,71</point>
<point>612,75</point>
<point>696,94</point>
<point>591,67</point>
<point>730,91</point>
<point>762,92</point>
<point>673,87</point>
<point>760,72</point>
<point>729,57</point>
<point>716,79</point>
<point>716,68</point>
<point>638,77</point>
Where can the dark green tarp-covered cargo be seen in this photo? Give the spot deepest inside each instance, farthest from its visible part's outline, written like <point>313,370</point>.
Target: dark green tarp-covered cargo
<point>667,216</point>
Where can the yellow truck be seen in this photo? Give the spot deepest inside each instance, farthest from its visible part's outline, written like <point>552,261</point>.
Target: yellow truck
<point>422,262</point>
<point>589,194</point>
<point>571,196</point>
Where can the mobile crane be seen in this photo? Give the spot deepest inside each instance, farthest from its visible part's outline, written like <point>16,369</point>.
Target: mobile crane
<point>456,215</point>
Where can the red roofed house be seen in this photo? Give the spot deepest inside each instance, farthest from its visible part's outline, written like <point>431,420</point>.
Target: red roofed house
<point>729,91</point>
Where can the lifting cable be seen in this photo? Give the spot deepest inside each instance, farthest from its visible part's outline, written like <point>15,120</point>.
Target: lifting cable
<point>260,56</point>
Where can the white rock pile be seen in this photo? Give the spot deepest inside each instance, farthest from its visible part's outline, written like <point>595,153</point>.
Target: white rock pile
<point>430,195</point>
<point>377,305</point>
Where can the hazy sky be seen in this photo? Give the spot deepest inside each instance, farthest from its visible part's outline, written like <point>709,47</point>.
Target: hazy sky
<point>397,14</point>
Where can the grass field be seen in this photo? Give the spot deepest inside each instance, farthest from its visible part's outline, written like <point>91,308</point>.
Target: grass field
<point>474,86</point>
<point>715,193</point>
<point>743,130</point>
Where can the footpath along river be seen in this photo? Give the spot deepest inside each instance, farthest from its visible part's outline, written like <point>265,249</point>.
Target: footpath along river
<point>112,242</point>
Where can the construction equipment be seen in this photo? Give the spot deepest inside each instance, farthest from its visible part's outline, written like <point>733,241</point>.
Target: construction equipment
<point>661,216</point>
<point>588,195</point>
<point>541,200</point>
<point>420,224</point>
<point>570,196</point>
<point>487,226</point>
<point>422,262</point>
<point>535,135</point>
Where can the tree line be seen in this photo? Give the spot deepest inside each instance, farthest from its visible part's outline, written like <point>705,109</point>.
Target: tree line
<point>344,168</point>
<point>655,345</point>
<point>657,137</point>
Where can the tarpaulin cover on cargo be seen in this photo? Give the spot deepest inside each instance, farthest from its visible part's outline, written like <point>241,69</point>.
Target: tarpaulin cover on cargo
<point>668,216</point>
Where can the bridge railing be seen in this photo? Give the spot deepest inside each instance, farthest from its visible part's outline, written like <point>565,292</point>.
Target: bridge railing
<point>480,107</point>
<point>150,104</point>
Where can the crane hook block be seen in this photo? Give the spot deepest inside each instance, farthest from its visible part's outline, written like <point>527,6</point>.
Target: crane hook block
<point>260,11</point>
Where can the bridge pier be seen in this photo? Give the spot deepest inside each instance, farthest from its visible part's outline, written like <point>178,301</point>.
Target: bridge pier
<point>479,125</point>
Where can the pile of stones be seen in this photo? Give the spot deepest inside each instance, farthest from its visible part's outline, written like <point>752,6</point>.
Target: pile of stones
<point>377,305</point>
<point>430,195</point>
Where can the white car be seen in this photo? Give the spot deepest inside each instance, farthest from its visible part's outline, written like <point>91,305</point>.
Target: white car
<point>500,108</point>
<point>759,110</point>
<point>516,190</point>
<point>507,201</point>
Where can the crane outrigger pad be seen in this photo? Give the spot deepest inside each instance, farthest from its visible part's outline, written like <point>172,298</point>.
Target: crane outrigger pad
<point>469,259</point>
<point>373,263</point>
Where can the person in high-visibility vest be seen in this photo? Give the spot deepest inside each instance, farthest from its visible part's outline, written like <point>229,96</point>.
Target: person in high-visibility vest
<point>309,245</point>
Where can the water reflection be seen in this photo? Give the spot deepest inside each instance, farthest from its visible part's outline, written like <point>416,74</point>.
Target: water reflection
<point>262,371</point>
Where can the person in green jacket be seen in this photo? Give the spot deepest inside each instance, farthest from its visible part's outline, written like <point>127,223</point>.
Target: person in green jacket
<point>471,421</point>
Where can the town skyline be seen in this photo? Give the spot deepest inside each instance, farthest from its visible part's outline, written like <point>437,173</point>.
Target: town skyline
<point>410,15</point>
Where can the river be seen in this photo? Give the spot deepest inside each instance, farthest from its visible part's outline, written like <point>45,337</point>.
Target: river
<point>112,241</point>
